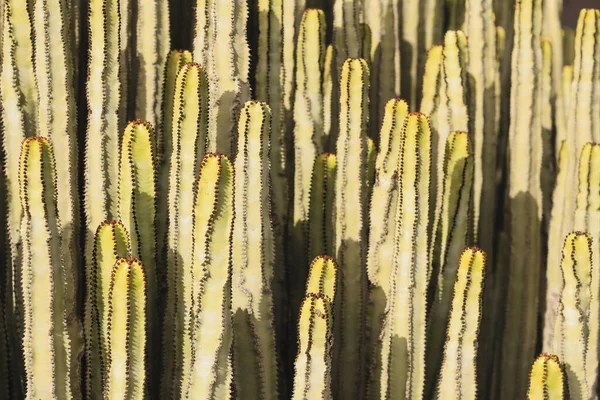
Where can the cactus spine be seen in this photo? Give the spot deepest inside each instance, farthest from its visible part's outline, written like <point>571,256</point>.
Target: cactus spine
<point>253,258</point>
<point>401,372</point>
<point>452,232</point>
<point>458,377</point>
<point>210,373</point>
<point>221,46</point>
<point>313,363</point>
<point>45,282</point>
<point>190,127</point>
<point>576,333</point>
<point>350,229</point>
<point>126,374</point>
<point>111,242</point>
<point>321,219</point>
<point>546,379</point>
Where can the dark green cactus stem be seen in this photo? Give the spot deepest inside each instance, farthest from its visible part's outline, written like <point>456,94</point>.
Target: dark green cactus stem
<point>452,232</point>
<point>111,243</point>
<point>45,281</point>
<point>220,45</point>
<point>576,330</point>
<point>126,373</point>
<point>210,375</point>
<point>547,379</point>
<point>371,158</point>
<point>458,375</point>
<point>190,127</point>
<point>367,38</point>
<point>524,204</point>
<point>382,217</point>
<point>351,229</point>
<point>383,16</point>
<point>321,221</point>
<point>568,42</point>
<point>398,369</point>
<point>152,46</point>
<point>313,364</point>
<point>253,258</point>
<point>547,117</point>
<point>137,211</point>
<point>103,94</point>
<point>411,16</point>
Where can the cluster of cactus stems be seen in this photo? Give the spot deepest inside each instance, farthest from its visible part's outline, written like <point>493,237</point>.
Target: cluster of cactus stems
<point>324,199</point>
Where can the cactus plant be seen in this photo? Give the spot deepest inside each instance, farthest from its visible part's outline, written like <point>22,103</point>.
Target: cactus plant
<point>547,379</point>
<point>458,377</point>
<point>106,132</point>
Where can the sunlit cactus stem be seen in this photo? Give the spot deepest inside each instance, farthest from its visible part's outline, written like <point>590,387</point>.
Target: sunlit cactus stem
<point>382,221</point>
<point>253,258</point>
<point>137,211</point>
<point>210,375</point>
<point>452,232</point>
<point>111,243</point>
<point>576,330</point>
<point>221,46</point>
<point>458,375</point>
<point>398,369</point>
<point>524,212</point>
<point>313,364</point>
<point>45,282</point>
<point>103,95</point>
<point>323,277</point>
<point>126,370</point>
<point>547,379</point>
<point>351,229</point>
<point>189,139</point>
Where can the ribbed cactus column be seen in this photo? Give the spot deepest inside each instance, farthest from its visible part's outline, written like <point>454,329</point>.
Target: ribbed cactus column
<point>382,217</point>
<point>351,228</point>
<point>111,243</point>
<point>190,127</point>
<point>321,217</point>
<point>458,375</point>
<point>524,203</point>
<point>567,80</point>
<point>553,274</point>
<point>220,45</point>
<point>576,330</point>
<point>126,372</point>
<point>400,368</point>
<point>103,94</point>
<point>308,144</point>
<point>153,42</point>
<point>383,16</point>
<point>328,104</point>
<point>480,29</point>
<point>45,282</point>
<point>308,116</point>
<point>547,120</point>
<point>584,114</point>
<point>323,277</point>
<point>547,379</point>
<point>313,363</point>
<point>452,232</point>
<point>210,375</point>
<point>137,211</point>
<point>164,139</point>
<point>57,120</point>
<point>253,258</point>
